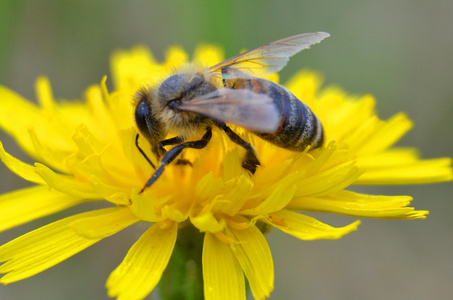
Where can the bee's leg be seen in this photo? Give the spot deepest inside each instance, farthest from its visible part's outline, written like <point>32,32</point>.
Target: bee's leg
<point>174,152</point>
<point>143,152</point>
<point>183,162</point>
<point>251,160</point>
<point>173,141</point>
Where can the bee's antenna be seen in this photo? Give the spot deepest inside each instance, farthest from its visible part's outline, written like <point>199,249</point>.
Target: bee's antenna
<point>143,152</point>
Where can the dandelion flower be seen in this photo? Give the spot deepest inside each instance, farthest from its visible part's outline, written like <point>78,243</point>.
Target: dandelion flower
<point>85,151</point>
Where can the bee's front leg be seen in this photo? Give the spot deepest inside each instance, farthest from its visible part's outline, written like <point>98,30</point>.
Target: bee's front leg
<point>174,152</point>
<point>173,141</point>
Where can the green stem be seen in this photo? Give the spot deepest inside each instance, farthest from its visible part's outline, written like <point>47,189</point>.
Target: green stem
<point>183,277</point>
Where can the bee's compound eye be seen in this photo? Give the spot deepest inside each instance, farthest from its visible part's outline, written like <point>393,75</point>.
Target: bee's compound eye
<point>142,114</point>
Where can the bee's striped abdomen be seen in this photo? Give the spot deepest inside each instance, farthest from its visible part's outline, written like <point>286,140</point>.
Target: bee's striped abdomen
<point>299,128</point>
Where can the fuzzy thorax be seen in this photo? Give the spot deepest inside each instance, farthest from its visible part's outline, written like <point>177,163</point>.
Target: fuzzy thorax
<point>183,85</point>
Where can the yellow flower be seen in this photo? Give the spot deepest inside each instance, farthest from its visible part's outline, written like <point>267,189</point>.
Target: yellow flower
<point>85,151</point>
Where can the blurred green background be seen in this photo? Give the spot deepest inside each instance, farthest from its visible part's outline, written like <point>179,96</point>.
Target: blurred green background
<point>399,51</point>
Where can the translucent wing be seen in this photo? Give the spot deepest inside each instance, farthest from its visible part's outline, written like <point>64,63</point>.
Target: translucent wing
<point>267,59</point>
<point>252,111</point>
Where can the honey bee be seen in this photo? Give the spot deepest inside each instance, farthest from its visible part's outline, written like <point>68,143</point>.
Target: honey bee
<point>195,99</point>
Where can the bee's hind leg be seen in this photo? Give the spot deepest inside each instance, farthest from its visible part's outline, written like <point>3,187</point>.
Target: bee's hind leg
<point>251,160</point>
<point>174,152</point>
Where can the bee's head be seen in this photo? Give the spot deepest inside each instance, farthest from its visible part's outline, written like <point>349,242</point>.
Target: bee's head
<point>147,122</point>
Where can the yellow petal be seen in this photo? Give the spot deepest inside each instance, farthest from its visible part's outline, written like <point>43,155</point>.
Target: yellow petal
<point>18,167</point>
<point>222,274</point>
<point>175,57</point>
<point>307,228</point>
<point>28,204</point>
<point>29,124</point>
<point>44,94</point>
<point>391,157</point>
<point>51,154</point>
<point>97,106</point>
<point>54,145</point>
<point>208,55</point>
<point>143,206</point>
<point>121,110</point>
<point>98,228</point>
<point>47,246</point>
<point>237,192</point>
<point>139,166</point>
<point>392,167</point>
<point>253,254</point>
<point>208,187</point>
<point>207,222</point>
<point>143,265</point>
<point>86,142</point>
<point>305,85</point>
<point>100,159</point>
<point>386,135</point>
<point>17,116</point>
<point>232,165</point>
<point>173,212</point>
<point>131,68</point>
<point>343,115</point>
<point>280,196</point>
<point>328,181</point>
<point>65,183</point>
<point>360,205</point>
<point>275,77</point>
<point>112,193</point>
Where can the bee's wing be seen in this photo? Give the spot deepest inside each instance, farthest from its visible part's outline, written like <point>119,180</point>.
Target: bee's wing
<point>252,111</point>
<point>267,59</point>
